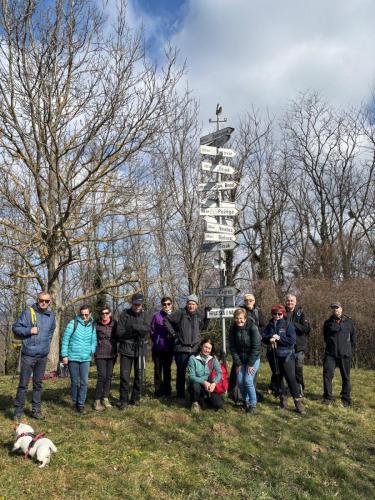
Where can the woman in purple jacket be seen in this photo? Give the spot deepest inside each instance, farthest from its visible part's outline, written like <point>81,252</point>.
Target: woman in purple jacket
<point>105,358</point>
<point>162,350</point>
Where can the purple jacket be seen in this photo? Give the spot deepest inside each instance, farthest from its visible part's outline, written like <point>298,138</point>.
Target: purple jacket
<point>159,334</point>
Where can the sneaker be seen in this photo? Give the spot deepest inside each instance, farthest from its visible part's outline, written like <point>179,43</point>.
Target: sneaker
<point>37,415</point>
<point>97,406</point>
<point>299,406</point>
<point>195,408</point>
<point>106,403</point>
<point>327,402</point>
<point>82,410</point>
<point>284,402</point>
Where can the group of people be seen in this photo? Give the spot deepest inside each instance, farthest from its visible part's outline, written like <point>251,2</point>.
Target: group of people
<point>177,334</point>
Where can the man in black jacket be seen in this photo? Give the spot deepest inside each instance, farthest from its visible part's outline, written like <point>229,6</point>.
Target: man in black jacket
<point>340,338</point>
<point>296,316</point>
<point>185,326</point>
<point>132,331</point>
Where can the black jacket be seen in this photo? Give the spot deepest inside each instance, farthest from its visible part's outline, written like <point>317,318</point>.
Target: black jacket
<point>132,333</point>
<point>244,344</point>
<point>302,327</point>
<point>339,336</point>
<point>257,316</point>
<point>185,329</point>
<point>107,345</point>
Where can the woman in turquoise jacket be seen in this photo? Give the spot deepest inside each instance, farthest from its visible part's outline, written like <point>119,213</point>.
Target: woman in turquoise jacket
<point>77,348</point>
<point>204,373</point>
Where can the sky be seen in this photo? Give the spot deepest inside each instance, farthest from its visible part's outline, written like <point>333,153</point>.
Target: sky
<point>260,54</point>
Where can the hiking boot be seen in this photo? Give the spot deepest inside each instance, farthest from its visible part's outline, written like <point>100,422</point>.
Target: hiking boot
<point>299,406</point>
<point>345,404</point>
<point>18,417</point>
<point>135,403</point>
<point>327,402</point>
<point>106,403</point>
<point>37,415</point>
<point>123,406</point>
<point>195,408</point>
<point>283,402</point>
<point>250,410</point>
<point>97,406</point>
<point>82,410</point>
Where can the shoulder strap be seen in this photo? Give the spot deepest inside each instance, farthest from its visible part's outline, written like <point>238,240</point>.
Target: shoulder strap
<point>33,316</point>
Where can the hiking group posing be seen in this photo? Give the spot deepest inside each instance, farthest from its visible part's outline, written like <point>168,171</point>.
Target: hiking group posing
<point>178,334</point>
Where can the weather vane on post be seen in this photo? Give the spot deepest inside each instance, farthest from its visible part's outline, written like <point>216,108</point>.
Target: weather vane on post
<point>218,112</point>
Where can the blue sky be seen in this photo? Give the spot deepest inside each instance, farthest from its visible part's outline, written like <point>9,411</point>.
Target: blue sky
<point>262,53</point>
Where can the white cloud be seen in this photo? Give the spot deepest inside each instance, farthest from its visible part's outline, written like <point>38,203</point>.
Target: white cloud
<point>260,53</point>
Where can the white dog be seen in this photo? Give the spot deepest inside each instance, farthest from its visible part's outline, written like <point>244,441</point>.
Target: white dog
<point>33,445</point>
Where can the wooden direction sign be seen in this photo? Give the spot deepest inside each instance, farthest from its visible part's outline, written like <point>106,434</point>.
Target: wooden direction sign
<point>219,211</point>
<point>211,151</point>
<point>217,247</point>
<point>219,237</point>
<point>216,186</point>
<point>228,291</point>
<point>217,168</point>
<point>219,228</point>
<point>218,138</point>
<point>221,313</point>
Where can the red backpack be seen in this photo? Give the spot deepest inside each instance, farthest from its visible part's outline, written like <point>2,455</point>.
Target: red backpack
<point>222,386</point>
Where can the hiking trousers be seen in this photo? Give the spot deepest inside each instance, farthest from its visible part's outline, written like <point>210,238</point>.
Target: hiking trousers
<point>329,365</point>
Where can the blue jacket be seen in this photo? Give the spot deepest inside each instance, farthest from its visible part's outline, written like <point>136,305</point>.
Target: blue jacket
<point>35,345</point>
<point>79,345</point>
<point>287,333</point>
<point>199,371</point>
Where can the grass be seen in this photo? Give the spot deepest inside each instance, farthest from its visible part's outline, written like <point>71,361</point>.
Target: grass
<point>161,450</point>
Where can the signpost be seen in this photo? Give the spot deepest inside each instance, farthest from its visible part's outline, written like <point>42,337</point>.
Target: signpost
<point>219,236</point>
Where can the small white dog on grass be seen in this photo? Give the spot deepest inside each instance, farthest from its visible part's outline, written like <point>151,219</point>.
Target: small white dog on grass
<point>33,445</point>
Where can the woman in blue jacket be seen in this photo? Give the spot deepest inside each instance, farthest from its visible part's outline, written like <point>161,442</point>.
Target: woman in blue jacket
<point>77,348</point>
<point>280,335</point>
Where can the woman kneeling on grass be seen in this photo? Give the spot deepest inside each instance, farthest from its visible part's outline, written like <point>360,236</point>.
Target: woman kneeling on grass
<point>204,374</point>
<point>244,344</point>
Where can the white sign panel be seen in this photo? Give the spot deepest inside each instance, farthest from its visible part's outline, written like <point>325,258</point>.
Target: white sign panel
<point>228,291</point>
<point>221,313</point>
<point>218,237</point>
<point>218,169</point>
<point>217,247</point>
<point>219,211</point>
<point>211,151</point>
<point>216,186</point>
<point>219,228</point>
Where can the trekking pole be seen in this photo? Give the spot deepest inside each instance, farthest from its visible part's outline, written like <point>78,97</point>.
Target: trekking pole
<point>18,365</point>
<point>277,368</point>
<point>140,367</point>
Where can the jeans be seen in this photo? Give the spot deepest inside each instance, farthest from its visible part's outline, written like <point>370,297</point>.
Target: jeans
<point>199,394</point>
<point>79,376</point>
<point>182,359</point>
<point>329,365</point>
<point>162,371</point>
<point>103,383</point>
<point>36,366</point>
<point>245,382</point>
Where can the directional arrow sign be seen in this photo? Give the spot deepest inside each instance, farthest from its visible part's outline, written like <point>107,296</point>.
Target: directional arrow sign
<point>218,138</point>
<point>216,186</point>
<point>211,151</point>
<point>209,202</point>
<point>218,211</point>
<point>219,228</point>
<point>221,313</point>
<point>217,247</point>
<point>218,237</point>
<point>213,220</point>
<point>227,291</point>
<point>217,168</point>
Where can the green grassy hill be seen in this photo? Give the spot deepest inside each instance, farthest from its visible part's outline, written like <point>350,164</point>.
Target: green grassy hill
<point>162,451</point>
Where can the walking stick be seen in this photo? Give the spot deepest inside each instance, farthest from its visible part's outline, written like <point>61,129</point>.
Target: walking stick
<point>141,365</point>
<point>18,365</point>
<point>277,368</point>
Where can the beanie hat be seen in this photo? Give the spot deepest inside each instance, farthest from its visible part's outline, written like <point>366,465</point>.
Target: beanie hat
<point>192,298</point>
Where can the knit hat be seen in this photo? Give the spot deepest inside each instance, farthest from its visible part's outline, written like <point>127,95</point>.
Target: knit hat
<point>192,298</point>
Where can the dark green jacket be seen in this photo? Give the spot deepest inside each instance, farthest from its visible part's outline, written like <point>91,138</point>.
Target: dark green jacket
<point>244,344</point>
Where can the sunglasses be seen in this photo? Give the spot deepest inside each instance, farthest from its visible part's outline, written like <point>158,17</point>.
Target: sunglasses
<point>105,313</point>
<point>84,315</point>
<point>277,314</point>
<point>166,303</point>
<point>44,301</point>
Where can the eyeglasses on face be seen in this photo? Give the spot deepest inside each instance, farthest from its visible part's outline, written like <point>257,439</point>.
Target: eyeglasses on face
<point>85,315</point>
<point>105,313</point>
<point>44,301</point>
<point>277,314</point>
<point>167,304</point>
